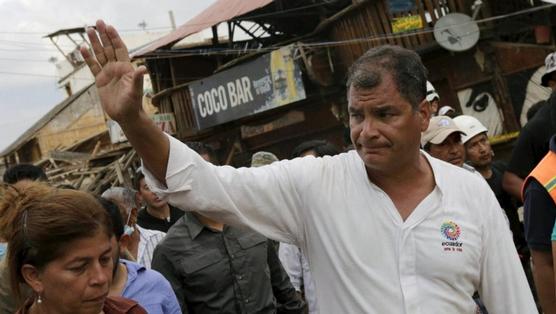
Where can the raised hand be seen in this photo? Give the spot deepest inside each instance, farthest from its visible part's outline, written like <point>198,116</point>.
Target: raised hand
<point>119,84</point>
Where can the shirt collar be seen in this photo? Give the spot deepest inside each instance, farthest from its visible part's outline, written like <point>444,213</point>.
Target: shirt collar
<point>193,225</point>
<point>132,271</point>
<point>440,178</point>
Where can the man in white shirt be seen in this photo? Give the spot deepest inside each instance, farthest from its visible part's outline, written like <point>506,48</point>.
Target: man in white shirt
<point>138,242</point>
<point>443,140</point>
<point>386,228</point>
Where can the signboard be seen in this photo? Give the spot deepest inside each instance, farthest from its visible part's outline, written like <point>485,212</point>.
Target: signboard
<point>397,6</point>
<point>166,122</point>
<point>267,82</point>
<point>406,23</point>
<point>405,17</point>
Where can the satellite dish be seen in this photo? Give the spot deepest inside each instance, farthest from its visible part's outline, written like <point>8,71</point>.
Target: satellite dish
<point>456,32</point>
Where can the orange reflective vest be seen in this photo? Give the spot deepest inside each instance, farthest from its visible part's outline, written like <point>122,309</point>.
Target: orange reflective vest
<point>545,173</point>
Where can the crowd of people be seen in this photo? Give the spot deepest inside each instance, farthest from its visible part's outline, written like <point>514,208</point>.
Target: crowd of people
<point>415,216</point>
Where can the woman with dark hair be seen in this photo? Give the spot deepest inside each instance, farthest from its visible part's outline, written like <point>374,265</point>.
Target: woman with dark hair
<point>59,246</point>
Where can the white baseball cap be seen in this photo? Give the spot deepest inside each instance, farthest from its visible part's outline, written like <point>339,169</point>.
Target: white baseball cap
<point>470,125</point>
<point>550,66</point>
<point>439,129</point>
<point>431,92</point>
<point>444,110</point>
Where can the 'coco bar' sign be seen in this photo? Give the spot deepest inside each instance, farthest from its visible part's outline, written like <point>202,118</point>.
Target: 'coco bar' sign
<point>267,82</point>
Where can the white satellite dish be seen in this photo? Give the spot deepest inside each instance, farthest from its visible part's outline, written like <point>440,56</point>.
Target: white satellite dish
<point>456,32</point>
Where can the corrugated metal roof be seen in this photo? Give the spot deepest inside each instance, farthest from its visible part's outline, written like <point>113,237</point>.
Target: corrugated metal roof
<point>220,11</point>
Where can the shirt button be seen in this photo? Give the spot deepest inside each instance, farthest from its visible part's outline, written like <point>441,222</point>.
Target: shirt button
<point>239,277</point>
<point>246,300</point>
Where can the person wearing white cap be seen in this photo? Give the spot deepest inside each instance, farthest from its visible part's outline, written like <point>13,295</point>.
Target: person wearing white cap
<point>432,98</point>
<point>549,79</point>
<point>478,151</point>
<point>442,140</point>
<point>479,155</point>
<point>447,111</point>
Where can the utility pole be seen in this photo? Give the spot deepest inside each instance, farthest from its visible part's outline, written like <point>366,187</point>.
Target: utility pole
<point>172,20</point>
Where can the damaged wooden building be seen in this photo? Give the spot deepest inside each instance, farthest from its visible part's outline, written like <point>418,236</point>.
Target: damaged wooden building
<point>273,74</point>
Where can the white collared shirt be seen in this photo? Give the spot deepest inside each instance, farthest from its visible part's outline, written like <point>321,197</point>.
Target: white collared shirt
<point>148,240</point>
<point>296,265</point>
<point>364,258</point>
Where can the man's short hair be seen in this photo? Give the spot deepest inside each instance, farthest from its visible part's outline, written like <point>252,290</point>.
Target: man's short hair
<point>137,180</point>
<point>320,147</point>
<point>24,172</point>
<point>115,216</point>
<point>405,66</point>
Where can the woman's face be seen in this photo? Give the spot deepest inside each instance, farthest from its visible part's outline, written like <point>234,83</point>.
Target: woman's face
<point>79,280</point>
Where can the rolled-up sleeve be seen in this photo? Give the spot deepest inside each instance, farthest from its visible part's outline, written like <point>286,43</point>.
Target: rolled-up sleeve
<point>264,198</point>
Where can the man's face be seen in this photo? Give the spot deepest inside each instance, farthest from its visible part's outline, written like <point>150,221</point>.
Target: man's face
<point>434,106</point>
<point>385,130</point>
<point>451,150</point>
<point>478,151</point>
<point>149,197</point>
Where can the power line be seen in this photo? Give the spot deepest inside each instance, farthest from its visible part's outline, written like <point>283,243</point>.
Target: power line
<point>23,60</point>
<point>168,53</point>
<point>274,13</point>
<point>28,50</point>
<point>122,30</point>
<point>177,53</point>
<point>40,75</point>
<point>28,43</point>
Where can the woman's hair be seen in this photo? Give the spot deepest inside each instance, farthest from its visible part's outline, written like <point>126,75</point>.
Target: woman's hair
<point>39,221</point>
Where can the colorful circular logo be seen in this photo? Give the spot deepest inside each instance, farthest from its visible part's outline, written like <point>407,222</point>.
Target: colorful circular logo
<point>450,230</point>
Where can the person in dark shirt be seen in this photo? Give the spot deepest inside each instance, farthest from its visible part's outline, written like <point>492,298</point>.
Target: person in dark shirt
<point>226,270</point>
<point>539,216</point>
<point>479,155</point>
<point>215,268</point>
<point>157,214</point>
<point>532,144</point>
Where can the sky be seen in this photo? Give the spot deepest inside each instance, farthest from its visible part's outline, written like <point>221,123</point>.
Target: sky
<point>28,87</point>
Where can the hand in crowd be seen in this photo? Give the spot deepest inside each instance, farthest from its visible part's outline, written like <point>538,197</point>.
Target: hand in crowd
<point>119,83</point>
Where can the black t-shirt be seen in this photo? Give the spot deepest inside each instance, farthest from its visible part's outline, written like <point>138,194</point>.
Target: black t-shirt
<point>539,216</point>
<point>506,201</point>
<point>532,144</point>
<point>147,221</point>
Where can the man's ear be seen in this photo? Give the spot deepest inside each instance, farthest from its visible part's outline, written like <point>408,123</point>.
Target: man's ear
<point>424,110</point>
<point>138,199</point>
<point>32,277</point>
<point>133,218</point>
<point>125,241</point>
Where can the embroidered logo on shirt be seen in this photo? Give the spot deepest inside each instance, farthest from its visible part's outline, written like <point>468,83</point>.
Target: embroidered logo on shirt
<point>451,232</point>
